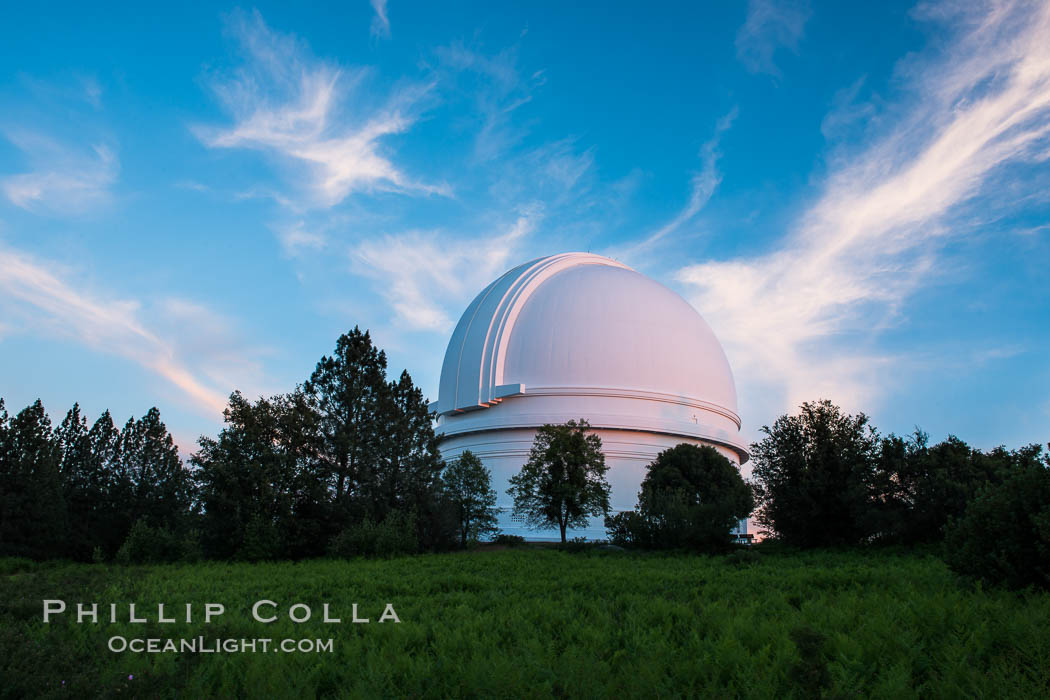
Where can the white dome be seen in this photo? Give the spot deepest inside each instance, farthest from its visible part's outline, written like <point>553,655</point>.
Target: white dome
<point>582,336</point>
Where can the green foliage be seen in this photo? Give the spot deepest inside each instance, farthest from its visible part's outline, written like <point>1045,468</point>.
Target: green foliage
<point>628,529</point>
<point>813,475</point>
<point>410,467</point>
<point>262,470</point>
<point>160,486</point>
<point>376,447</point>
<point>743,556</point>
<point>824,478</point>
<point>394,536</point>
<point>922,487</point>
<point>33,517</point>
<point>437,521</point>
<point>149,545</point>
<point>509,540</point>
<point>98,505</point>
<point>1004,535</point>
<point>810,673</point>
<point>563,483</point>
<point>537,623</point>
<point>282,478</point>
<point>72,491</point>
<point>691,498</point>
<point>190,548</point>
<point>469,486</point>
<point>577,545</point>
<point>9,566</point>
<point>262,541</point>
<point>351,399</point>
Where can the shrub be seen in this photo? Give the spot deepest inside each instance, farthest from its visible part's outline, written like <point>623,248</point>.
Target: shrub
<point>437,521</point>
<point>395,535</point>
<point>148,545</point>
<point>191,549</point>
<point>354,541</point>
<point>579,544</point>
<point>627,529</point>
<point>743,557</point>
<point>16,565</point>
<point>509,540</point>
<point>262,541</point>
<point>1004,535</point>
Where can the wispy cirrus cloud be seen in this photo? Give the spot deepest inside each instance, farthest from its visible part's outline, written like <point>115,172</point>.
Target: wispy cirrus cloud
<point>424,273</point>
<point>313,116</point>
<point>770,26</point>
<point>186,344</point>
<point>702,186</point>
<point>62,179</point>
<point>796,320</point>
<point>381,22</point>
<point>498,89</point>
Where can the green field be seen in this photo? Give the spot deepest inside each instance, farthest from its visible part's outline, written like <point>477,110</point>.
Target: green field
<point>535,622</point>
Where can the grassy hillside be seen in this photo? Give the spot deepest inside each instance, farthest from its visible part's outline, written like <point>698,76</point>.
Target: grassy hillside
<point>536,623</point>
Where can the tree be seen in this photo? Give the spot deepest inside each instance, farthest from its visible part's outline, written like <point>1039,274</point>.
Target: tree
<point>813,475</point>
<point>919,488</point>
<point>348,392</point>
<point>564,480</point>
<point>83,486</point>
<point>376,442</point>
<point>114,488</point>
<point>410,465</point>
<point>1003,537</point>
<point>692,497</point>
<point>33,519</point>
<point>261,494</point>
<point>468,484</point>
<point>161,487</point>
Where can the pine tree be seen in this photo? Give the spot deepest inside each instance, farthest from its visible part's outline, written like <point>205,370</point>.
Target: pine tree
<point>348,391</point>
<point>114,486</point>
<point>410,465</point>
<point>32,511</point>
<point>82,488</point>
<point>161,489</point>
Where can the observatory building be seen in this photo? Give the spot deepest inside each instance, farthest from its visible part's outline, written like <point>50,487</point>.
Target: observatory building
<point>575,336</point>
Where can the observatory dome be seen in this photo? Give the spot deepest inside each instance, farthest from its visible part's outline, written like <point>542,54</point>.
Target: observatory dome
<point>575,336</point>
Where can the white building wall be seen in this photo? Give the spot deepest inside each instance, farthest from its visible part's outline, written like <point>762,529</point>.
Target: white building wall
<point>627,454</point>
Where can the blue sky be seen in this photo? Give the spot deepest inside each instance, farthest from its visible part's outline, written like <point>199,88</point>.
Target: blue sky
<point>856,196</point>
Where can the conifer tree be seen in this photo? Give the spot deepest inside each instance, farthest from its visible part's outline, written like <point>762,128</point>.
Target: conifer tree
<point>410,465</point>
<point>150,465</point>
<point>114,488</point>
<point>82,488</point>
<point>32,511</point>
<point>347,391</point>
